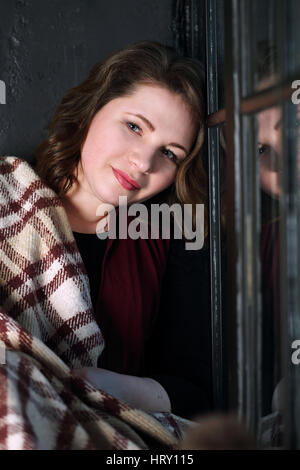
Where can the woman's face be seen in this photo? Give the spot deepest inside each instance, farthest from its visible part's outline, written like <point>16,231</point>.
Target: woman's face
<point>270,150</point>
<point>137,138</point>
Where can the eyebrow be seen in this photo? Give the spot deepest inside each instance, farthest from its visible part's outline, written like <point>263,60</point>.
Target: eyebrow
<point>152,128</point>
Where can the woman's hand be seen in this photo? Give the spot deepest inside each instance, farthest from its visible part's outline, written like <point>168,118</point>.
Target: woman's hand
<point>139,392</point>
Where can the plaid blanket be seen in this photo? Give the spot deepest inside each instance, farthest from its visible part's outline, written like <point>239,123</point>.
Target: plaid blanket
<point>47,328</point>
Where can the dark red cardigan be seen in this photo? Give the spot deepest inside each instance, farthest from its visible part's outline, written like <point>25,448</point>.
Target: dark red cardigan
<point>129,299</point>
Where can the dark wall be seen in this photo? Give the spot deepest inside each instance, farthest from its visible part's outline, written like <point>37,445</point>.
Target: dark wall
<point>48,46</point>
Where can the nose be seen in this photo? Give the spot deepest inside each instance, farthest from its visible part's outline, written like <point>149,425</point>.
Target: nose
<point>142,160</point>
<point>276,138</point>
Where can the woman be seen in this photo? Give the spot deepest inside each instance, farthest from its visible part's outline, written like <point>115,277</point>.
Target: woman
<point>134,128</point>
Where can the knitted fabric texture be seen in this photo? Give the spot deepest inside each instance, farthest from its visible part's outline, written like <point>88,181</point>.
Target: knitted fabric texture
<point>47,327</point>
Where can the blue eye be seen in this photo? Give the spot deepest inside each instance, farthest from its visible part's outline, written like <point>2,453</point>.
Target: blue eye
<point>131,126</point>
<point>170,155</point>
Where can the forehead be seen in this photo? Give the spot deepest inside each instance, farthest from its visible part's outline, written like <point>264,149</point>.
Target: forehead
<point>154,97</point>
<point>269,117</point>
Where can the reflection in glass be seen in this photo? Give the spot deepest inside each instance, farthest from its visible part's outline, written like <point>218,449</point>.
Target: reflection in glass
<point>271,135</point>
<point>270,163</point>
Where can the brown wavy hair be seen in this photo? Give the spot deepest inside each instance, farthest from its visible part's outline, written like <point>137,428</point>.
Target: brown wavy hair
<point>144,62</point>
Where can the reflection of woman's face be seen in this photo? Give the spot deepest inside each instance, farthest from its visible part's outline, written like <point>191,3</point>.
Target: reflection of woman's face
<point>137,138</point>
<point>269,149</point>
<point>270,145</point>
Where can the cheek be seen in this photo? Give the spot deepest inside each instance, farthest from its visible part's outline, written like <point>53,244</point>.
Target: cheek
<point>159,182</point>
<point>269,181</point>
<point>166,178</point>
<point>99,149</point>
<point>105,136</point>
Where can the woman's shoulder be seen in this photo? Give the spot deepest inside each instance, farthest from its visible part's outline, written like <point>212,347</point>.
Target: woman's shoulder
<point>12,164</point>
<point>11,160</point>
<point>15,169</point>
<point>17,176</point>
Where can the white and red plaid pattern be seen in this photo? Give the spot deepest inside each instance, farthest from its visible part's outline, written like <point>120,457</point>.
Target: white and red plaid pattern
<point>47,327</point>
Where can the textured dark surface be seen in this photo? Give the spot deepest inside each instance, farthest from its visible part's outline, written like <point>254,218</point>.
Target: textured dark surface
<point>49,46</point>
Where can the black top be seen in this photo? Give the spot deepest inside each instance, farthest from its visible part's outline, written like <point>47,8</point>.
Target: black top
<point>178,356</point>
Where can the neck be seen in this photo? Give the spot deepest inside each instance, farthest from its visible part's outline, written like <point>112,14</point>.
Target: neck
<point>81,213</point>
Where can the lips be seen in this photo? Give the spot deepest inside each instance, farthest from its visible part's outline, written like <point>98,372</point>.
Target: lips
<point>125,180</point>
